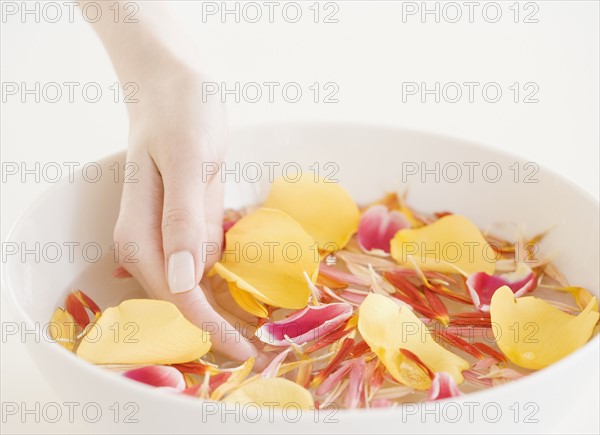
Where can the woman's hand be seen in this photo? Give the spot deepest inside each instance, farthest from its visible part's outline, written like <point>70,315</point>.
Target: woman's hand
<point>174,213</point>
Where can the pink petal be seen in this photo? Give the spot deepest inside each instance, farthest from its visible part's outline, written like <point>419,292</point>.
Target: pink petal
<point>271,370</point>
<point>485,363</point>
<point>355,388</point>
<point>356,298</point>
<point>335,378</point>
<point>378,226</point>
<point>443,386</point>
<point>158,376</point>
<point>306,325</point>
<point>341,276</point>
<point>483,286</point>
<point>381,403</point>
<point>474,378</point>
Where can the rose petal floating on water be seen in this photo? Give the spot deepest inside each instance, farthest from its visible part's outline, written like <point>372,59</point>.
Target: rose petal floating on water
<point>543,334</point>
<point>443,387</point>
<point>266,257</point>
<point>388,328</point>
<point>146,332</point>
<point>482,286</point>
<point>272,392</point>
<point>62,328</point>
<point>303,326</point>
<point>324,209</point>
<point>158,376</point>
<point>447,244</point>
<point>377,227</point>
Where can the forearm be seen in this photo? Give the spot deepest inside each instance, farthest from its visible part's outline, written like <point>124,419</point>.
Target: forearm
<point>140,50</point>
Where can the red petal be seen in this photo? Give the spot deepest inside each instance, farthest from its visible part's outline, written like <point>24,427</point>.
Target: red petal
<point>457,341</point>
<point>335,378</point>
<point>194,368</point>
<point>377,227</point>
<point>418,361</point>
<point>88,302</point>
<point>158,376</point>
<point>76,309</point>
<point>341,355</point>
<point>328,339</point>
<point>217,380</point>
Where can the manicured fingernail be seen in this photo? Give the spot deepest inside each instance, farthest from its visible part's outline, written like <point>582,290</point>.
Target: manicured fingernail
<point>180,272</point>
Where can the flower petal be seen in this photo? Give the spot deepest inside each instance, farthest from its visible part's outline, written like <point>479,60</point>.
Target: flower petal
<point>533,334</point>
<point>443,387</point>
<point>143,331</point>
<point>62,328</point>
<point>233,381</point>
<point>303,326</point>
<point>354,393</point>
<point>267,255</point>
<point>482,286</point>
<point>388,328</point>
<point>247,301</point>
<point>273,368</point>
<point>272,392</point>
<point>158,376</point>
<point>377,227</point>
<point>324,209</point>
<point>447,244</point>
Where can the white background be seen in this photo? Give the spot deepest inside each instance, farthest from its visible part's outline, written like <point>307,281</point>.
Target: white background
<point>369,53</point>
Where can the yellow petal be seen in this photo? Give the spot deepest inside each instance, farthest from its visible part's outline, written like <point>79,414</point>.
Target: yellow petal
<point>582,296</point>
<point>324,209</point>
<point>387,328</point>
<point>447,244</point>
<point>266,255</point>
<point>247,301</point>
<point>272,392</point>
<point>533,334</point>
<point>62,328</point>
<point>143,331</point>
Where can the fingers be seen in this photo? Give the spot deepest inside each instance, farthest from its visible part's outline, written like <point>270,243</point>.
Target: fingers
<point>224,337</point>
<point>185,231</point>
<point>140,222</point>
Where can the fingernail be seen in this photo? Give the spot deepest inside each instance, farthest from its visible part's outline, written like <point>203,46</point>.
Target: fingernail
<point>180,272</point>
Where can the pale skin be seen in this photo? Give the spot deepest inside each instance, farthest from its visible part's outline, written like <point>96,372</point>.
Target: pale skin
<point>172,214</point>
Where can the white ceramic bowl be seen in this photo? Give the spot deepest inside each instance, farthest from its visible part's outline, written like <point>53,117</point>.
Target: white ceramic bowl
<point>368,162</point>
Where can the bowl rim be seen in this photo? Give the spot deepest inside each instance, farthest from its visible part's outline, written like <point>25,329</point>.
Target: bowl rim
<point>586,351</point>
